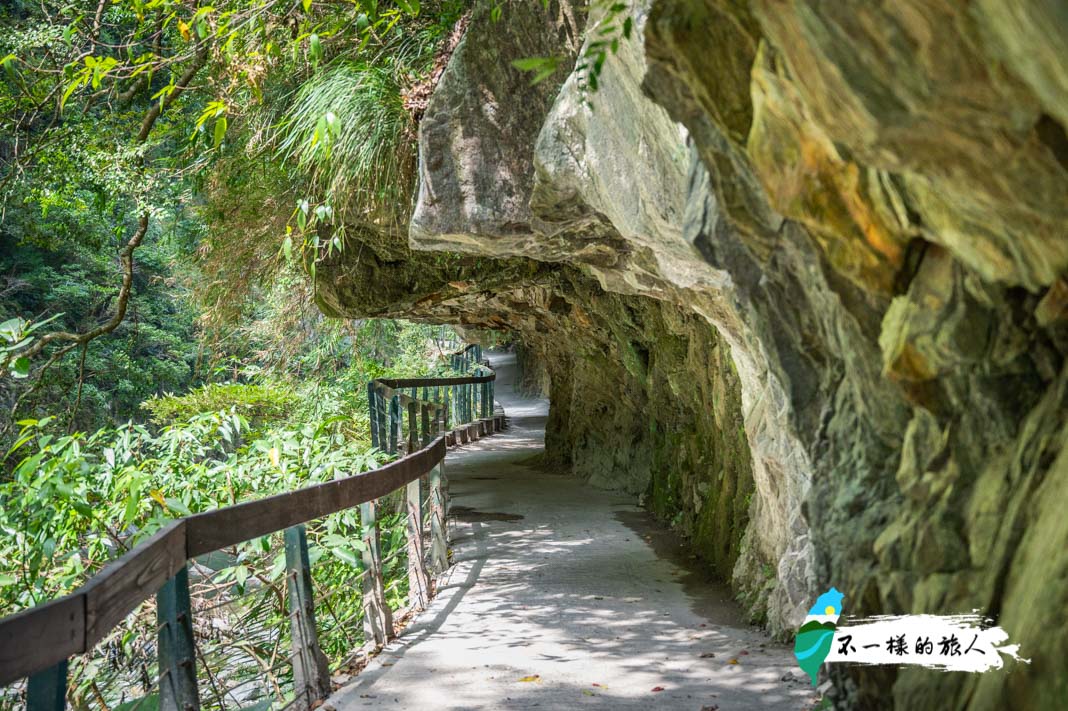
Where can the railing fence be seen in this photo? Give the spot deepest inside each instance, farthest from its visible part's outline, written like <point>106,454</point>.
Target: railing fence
<point>37,642</point>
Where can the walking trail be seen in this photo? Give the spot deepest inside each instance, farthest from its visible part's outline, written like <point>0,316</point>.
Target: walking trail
<point>564,596</point>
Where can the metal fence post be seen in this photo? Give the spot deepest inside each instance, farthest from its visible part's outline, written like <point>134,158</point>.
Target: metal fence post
<point>177,654</point>
<point>47,690</point>
<point>377,617</point>
<point>383,421</point>
<point>394,424</point>
<point>311,674</point>
<point>448,405</point>
<point>372,408</point>
<point>425,423</point>
<point>413,427</point>
<point>418,581</point>
<point>439,545</point>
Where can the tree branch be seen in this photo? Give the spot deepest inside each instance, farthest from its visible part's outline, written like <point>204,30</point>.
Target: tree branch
<point>126,253</point>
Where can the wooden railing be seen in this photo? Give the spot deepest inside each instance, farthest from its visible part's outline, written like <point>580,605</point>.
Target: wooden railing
<point>461,399</point>
<point>37,642</point>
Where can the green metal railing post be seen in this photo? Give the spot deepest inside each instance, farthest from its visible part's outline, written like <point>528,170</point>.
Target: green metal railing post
<point>425,418</point>
<point>448,405</point>
<point>311,673</point>
<point>47,690</point>
<point>383,421</point>
<point>372,408</point>
<point>394,424</point>
<point>177,654</point>
<point>377,617</point>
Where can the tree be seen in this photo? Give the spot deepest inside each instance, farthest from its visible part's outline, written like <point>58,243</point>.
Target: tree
<point>114,111</point>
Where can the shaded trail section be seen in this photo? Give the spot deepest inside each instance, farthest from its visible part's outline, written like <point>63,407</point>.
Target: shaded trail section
<point>565,596</point>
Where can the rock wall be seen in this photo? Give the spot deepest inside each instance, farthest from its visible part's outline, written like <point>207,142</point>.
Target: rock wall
<point>838,229</point>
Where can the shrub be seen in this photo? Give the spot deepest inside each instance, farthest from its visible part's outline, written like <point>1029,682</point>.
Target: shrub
<point>257,403</point>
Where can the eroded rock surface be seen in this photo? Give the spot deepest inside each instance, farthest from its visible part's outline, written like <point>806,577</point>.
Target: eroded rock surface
<point>797,279</point>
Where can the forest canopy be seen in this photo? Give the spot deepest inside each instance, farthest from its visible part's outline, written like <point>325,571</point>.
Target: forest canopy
<point>171,172</point>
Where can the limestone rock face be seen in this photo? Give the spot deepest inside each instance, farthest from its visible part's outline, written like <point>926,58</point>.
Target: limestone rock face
<point>475,137</point>
<point>795,276</point>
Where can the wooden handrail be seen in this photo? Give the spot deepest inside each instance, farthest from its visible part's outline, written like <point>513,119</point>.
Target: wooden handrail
<point>215,530</point>
<point>41,636</point>
<point>435,382</point>
<point>39,640</point>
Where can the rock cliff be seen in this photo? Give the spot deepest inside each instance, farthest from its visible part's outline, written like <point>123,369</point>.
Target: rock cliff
<point>795,276</point>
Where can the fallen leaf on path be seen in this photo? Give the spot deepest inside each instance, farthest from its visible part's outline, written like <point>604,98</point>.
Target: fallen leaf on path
<point>532,677</point>
<point>743,652</point>
<point>587,692</point>
<point>599,686</point>
<point>733,661</point>
<point>658,688</point>
<point>708,655</point>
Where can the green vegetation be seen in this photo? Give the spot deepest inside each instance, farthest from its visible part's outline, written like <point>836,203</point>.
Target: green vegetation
<point>171,174</point>
<point>255,402</point>
<point>72,502</point>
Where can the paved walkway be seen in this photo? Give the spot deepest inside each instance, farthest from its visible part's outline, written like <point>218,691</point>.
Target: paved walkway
<point>562,596</point>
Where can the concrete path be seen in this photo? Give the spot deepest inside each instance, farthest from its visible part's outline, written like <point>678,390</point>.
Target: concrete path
<point>562,596</point>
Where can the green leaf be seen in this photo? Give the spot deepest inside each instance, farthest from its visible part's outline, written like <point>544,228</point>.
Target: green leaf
<point>220,131</point>
<point>73,87</point>
<point>11,329</point>
<point>179,506</point>
<point>130,512</point>
<point>543,75</point>
<point>306,4</point>
<point>287,249</point>
<point>346,555</point>
<point>315,48</point>
<point>21,367</point>
<point>6,579</point>
<point>529,64</point>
